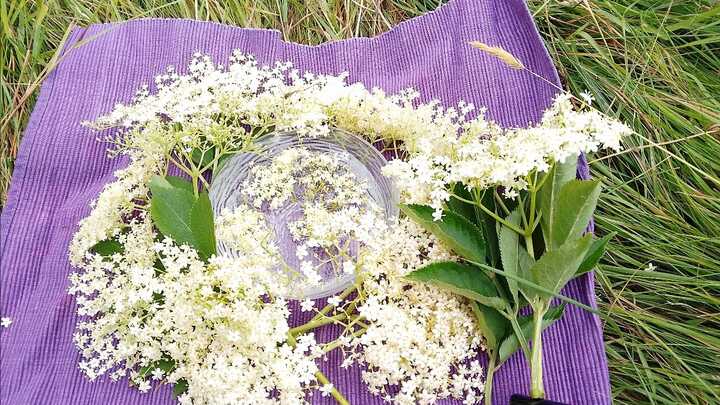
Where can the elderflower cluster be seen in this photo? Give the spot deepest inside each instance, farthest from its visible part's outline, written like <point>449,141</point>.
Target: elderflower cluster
<point>485,155</point>
<point>115,204</point>
<point>229,106</point>
<point>421,343</point>
<point>299,174</point>
<point>218,327</point>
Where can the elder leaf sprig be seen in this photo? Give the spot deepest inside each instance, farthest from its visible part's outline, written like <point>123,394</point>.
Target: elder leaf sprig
<point>515,253</point>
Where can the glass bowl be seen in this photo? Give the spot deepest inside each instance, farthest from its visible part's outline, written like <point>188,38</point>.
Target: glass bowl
<point>361,159</point>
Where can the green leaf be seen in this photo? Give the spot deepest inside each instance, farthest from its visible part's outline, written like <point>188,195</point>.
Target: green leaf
<point>575,206</point>
<point>202,158</point>
<point>164,364</point>
<point>488,227</point>
<point>222,161</point>
<point>556,267</point>
<point>201,223</point>
<point>509,252</point>
<point>493,325</point>
<point>170,209</point>
<point>107,247</point>
<point>457,233</point>
<point>180,387</point>
<point>179,182</point>
<point>547,197</point>
<point>511,344</point>
<point>468,281</point>
<point>179,215</point>
<point>460,207</point>
<point>594,254</point>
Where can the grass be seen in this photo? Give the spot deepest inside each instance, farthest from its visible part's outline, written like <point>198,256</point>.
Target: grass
<point>653,63</point>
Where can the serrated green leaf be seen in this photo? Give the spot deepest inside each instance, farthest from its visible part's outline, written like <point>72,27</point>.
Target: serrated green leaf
<point>547,197</point>
<point>575,205</point>
<point>457,233</point>
<point>511,343</point>
<point>108,247</point>
<point>509,241</point>
<point>203,228</point>
<point>468,281</point>
<point>594,254</point>
<point>556,267</point>
<point>493,325</point>
<point>460,207</point>
<point>179,215</point>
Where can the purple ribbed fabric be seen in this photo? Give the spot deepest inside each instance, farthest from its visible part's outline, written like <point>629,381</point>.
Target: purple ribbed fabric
<point>61,168</point>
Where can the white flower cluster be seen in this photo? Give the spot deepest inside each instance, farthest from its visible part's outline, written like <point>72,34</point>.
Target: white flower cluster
<point>115,204</point>
<point>299,174</point>
<point>421,343</point>
<point>215,105</point>
<point>218,327</point>
<point>444,147</point>
<point>484,155</point>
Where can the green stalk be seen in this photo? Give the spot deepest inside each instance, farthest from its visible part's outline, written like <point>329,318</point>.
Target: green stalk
<point>314,324</point>
<point>501,220</point>
<point>329,307</point>
<point>519,334</point>
<point>491,213</point>
<point>336,343</point>
<point>537,389</point>
<point>492,359</point>
<point>339,397</point>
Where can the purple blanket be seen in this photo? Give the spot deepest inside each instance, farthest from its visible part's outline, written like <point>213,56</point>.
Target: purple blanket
<point>61,167</point>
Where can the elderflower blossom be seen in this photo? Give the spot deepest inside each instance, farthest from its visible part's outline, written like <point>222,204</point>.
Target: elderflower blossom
<point>215,105</point>
<point>307,305</point>
<point>326,389</point>
<point>421,343</point>
<point>485,155</point>
<point>211,321</point>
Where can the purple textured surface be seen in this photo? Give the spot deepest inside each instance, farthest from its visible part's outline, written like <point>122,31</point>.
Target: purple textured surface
<point>61,168</point>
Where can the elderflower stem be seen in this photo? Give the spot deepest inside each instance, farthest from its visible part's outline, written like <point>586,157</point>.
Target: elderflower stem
<point>322,378</point>
<point>501,220</point>
<point>330,346</point>
<point>537,389</point>
<point>492,214</point>
<point>500,201</point>
<point>334,392</point>
<point>519,334</point>
<point>492,359</point>
<point>317,323</point>
<point>328,307</point>
<point>529,245</point>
